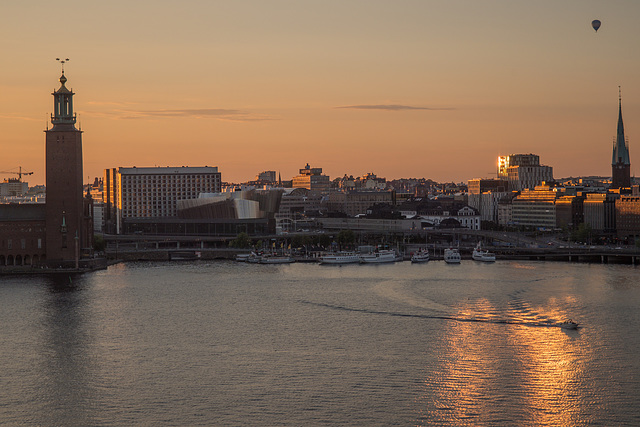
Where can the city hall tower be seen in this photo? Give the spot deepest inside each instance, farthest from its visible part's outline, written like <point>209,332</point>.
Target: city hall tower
<point>66,233</point>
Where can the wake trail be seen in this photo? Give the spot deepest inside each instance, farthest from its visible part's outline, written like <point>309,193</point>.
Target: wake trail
<point>428,316</point>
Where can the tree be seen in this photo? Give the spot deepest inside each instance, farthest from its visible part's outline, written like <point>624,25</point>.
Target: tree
<point>345,238</point>
<point>324,240</point>
<point>99,244</point>
<point>242,240</point>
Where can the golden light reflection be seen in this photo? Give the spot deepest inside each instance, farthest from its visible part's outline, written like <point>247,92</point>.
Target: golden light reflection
<point>488,368</point>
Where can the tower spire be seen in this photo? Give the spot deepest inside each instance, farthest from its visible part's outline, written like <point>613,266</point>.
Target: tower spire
<point>620,161</point>
<point>63,102</point>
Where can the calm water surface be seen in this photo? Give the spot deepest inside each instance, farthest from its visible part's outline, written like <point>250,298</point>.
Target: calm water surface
<point>225,343</point>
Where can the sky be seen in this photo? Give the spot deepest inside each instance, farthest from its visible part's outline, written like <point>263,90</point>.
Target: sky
<point>402,88</point>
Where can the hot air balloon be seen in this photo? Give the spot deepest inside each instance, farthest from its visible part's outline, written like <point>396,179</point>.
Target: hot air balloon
<point>596,24</point>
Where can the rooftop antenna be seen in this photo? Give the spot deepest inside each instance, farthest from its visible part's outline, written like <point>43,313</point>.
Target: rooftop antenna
<point>62,62</point>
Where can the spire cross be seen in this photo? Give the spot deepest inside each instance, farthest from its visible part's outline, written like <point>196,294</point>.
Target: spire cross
<point>62,61</point>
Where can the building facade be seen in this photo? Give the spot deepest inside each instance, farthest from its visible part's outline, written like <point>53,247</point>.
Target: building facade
<point>153,192</point>
<point>535,208</point>
<point>311,179</point>
<point>628,216</point>
<point>523,171</point>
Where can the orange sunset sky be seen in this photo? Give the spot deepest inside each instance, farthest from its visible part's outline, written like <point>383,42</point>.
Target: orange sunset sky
<point>434,89</point>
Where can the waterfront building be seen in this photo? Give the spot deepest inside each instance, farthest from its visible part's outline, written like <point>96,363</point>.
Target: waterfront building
<point>569,211</point>
<point>297,205</point>
<point>311,179</point>
<point>22,234</point>
<point>620,161</point>
<point>484,195</point>
<point>153,192</point>
<point>628,215</point>
<point>353,203</point>
<point>535,208</point>
<point>58,233</point>
<point>599,211</point>
<point>505,209</point>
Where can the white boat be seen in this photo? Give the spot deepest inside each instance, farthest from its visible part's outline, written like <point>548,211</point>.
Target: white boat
<point>254,258</point>
<point>340,258</point>
<point>483,256</point>
<point>569,324</point>
<point>452,256</point>
<point>420,256</point>
<point>379,257</point>
<point>243,257</point>
<point>276,259</point>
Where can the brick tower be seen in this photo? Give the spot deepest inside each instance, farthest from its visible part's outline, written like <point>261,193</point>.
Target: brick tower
<point>65,233</point>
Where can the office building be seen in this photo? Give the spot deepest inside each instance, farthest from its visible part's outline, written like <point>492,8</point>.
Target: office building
<point>311,179</point>
<point>153,192</point>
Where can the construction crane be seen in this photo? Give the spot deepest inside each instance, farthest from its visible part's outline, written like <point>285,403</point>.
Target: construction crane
<point>19,173</point>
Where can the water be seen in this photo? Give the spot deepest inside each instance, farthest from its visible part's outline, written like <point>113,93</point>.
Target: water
<point>225,343</point>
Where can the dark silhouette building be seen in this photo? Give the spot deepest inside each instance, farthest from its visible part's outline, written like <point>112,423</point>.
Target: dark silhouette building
<point>620,163</point>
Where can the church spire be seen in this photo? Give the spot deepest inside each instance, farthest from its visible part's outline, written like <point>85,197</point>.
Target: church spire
<point>63,103</point>
<point>620,149</point>
<point>620,162</point>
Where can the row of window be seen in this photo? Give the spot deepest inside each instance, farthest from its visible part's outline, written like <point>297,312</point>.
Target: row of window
<point>22,243</point>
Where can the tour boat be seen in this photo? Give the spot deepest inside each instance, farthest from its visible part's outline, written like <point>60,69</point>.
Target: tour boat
<point>484,256</point>
<point>452,256</point>
<point>379,257</point>
<point>420,256</point>
<point>276,259</point>
<point>340,258</point>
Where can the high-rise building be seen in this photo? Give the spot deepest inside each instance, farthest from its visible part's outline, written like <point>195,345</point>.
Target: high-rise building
<point>68,228</point>
<point>523,171</point>
<point>154,192</point>
<point>620,162</point>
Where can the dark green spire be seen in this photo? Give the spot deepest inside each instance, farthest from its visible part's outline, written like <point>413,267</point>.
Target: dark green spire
<point>620,149</point>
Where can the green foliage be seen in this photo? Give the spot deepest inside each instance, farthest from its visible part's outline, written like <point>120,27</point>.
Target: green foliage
<point>241,241</point>
<point>346,238</point>
<point>99,244</point>
<point>299,241</point>
<point>324,240</point>
<point>582,234</point>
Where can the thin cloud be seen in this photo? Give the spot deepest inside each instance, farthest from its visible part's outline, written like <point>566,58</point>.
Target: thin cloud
<point>198,113</point>
<point>392,107</point>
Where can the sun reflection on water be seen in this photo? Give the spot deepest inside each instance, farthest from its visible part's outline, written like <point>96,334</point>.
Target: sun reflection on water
<point>487,368</point>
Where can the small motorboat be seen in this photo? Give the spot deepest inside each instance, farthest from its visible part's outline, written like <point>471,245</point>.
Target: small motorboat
<point>420,256</point>
<point>569,324</point>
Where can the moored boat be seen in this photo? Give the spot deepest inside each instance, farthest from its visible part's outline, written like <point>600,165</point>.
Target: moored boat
<point>421,255</point>
<point>482,255</point>
<point>379,257</point>
<point>243,257</point>
<point>276,259</point>
<point>340,258</point>
<point>452,256</point>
